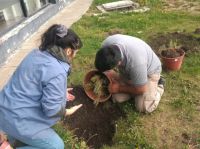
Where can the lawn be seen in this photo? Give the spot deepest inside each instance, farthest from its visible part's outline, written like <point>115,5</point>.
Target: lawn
<point>176,122</point>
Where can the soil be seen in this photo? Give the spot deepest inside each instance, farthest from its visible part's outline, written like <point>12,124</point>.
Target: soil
<point>190,139</point>
<point>95,124</point>
<point>171,53</point>
<point>188,42</point>
<point>197,31</point>
<point>115,31</point>
<point>183,5</point>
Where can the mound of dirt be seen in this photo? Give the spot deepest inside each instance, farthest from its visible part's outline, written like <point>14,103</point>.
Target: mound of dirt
<point>95,124</point>
<point>188,43</point>
<point>184,5</point>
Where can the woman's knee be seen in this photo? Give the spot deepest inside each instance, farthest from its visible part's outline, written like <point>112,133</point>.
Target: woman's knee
<point>57,143</point>
<point>47,138</point>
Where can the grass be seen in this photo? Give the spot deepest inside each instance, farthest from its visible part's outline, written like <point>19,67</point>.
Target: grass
<point>70,140</point>
<point>175,124</point>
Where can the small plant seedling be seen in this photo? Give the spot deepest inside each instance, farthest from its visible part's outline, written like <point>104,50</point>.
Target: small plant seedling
<point>172,50</point>
<point>98,84</point>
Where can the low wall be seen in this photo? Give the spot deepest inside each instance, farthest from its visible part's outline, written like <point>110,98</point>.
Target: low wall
<point>13,38</point>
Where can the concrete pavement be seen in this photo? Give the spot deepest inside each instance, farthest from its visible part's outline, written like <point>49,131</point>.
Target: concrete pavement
<point>67,16</point>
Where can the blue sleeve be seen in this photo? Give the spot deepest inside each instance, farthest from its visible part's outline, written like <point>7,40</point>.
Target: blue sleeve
<point>54,96</point>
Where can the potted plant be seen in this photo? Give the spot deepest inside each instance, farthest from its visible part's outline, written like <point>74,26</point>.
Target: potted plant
<point>172,56</point>
<point>96,86</point>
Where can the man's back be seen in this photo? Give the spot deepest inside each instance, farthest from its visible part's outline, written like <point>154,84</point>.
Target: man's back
<point>139,60</point>
<point>137,50</point>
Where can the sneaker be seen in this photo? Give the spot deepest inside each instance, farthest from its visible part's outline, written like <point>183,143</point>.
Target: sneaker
<point>161,81</point>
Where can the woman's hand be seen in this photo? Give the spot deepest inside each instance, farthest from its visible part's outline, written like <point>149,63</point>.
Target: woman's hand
<point>73,109</point>
<point>2,137</point>
<point>70,97</point>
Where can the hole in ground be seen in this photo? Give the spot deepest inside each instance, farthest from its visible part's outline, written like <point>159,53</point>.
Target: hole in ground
<point>95,124</point>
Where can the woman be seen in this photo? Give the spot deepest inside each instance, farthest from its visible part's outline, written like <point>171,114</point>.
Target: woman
<point>34,99</point>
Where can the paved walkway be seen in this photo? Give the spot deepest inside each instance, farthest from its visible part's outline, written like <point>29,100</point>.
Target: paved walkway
<point>70,14</point>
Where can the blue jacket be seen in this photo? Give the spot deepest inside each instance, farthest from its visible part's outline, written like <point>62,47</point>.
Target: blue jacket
<point>33,97</point>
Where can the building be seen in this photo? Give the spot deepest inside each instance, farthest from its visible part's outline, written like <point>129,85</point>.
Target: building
<point>21,18</point>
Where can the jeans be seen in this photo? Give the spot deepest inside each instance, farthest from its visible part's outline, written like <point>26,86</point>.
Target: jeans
<point>47,139</point>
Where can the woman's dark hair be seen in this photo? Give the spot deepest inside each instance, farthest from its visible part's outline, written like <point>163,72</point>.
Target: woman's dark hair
<point>52,37</point>
<point>107,58</point>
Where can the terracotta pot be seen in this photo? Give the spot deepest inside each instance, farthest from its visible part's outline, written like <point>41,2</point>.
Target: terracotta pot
<point>90,92</point>
<point>173,63</point>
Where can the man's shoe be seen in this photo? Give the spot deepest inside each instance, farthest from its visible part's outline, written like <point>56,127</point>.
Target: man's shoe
<point>161,81</point>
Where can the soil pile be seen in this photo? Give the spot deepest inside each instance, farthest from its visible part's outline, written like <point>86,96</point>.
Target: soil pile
<point>95,124</point>
<point>188,43</point>
<point>185,5</point>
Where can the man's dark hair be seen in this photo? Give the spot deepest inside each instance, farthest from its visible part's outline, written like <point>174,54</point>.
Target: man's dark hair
<point>50,38</point>
<point>107,58</point>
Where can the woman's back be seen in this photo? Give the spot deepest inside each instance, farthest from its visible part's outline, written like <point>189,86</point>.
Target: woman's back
<point>38,84</point>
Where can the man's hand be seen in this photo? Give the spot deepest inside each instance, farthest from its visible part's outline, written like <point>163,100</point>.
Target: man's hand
<point>70,97</point>
<point>114,87</point>
<point>113,75</point>
<point>73,109</point>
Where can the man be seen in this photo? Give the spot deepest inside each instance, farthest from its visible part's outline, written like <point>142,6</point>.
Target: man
<point>139,71</point>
